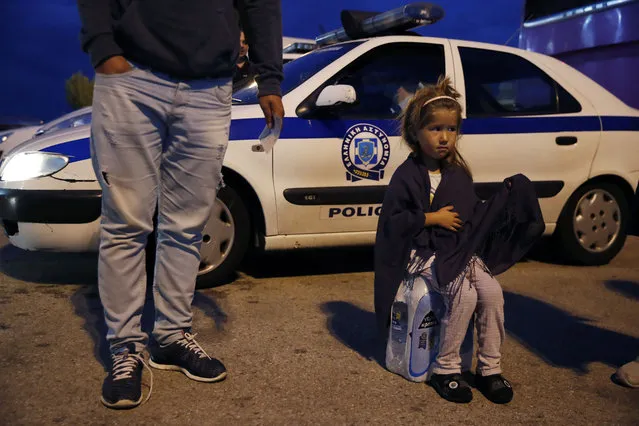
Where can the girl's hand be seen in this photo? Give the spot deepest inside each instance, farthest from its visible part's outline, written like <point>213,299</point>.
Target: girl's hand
<point>448,219</point>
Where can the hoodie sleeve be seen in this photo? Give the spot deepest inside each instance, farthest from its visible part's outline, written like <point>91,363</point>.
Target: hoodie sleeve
<point>96,33</point>
<point>262,24</point>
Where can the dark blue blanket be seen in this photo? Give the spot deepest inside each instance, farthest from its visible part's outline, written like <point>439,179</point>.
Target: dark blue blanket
<point>499,230</point>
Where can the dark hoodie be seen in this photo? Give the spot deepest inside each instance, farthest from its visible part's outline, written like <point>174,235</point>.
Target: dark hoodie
<point>187,39</point>
<point>499,230</point>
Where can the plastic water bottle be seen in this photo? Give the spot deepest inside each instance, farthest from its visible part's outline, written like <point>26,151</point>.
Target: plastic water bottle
<point>398,334</point>
<point>429,310</point>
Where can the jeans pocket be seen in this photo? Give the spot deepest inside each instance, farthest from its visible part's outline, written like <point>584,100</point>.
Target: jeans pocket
<point>118,75</point>
<point>224,93</point>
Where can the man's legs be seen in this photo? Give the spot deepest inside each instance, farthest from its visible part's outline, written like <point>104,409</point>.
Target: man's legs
<point>190,175</point>
<point>127,132</point>
<point>126,141</point>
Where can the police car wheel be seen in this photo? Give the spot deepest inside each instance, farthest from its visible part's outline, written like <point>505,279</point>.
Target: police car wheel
<point>592,227</point>
<point>225,239</point>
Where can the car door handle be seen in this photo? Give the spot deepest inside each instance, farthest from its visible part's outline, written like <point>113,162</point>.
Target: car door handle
<point>566,140</point>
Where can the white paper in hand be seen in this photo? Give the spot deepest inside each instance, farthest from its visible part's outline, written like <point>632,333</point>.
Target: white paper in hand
<point>270,136</point>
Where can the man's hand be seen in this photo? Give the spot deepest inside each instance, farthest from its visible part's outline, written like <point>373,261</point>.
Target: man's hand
<point>114,65</point>
<point>271,106</point>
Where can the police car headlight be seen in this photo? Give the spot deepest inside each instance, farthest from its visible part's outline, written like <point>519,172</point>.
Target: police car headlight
<point>4,136</point>
<point>31,165</point>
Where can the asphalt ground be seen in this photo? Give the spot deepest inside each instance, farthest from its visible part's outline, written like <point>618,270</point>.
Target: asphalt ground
<point>296,332</point>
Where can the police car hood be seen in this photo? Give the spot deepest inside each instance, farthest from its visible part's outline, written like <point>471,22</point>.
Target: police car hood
<point>16,137</point>
<point>38,143</point>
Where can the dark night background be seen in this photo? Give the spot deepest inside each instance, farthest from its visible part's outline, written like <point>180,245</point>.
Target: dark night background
<point>40,48</point>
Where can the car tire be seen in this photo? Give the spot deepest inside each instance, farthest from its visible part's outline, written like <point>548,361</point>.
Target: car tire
<point>229,213</point>
<point>593,224</point>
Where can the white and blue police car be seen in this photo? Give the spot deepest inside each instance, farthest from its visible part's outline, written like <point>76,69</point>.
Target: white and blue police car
<point>11,138</point>
<point>323,182</point>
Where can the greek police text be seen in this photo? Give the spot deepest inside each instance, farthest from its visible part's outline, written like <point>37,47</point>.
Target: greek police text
<point>354,211</point>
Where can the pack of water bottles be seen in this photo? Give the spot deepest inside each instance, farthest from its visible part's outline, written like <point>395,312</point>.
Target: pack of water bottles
<point>415,328</point>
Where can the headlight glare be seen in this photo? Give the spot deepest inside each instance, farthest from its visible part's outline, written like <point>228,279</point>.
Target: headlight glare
<point>31,165</point>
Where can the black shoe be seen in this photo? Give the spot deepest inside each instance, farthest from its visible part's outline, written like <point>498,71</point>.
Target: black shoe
<point>469,377</point>
<point>452,387</point>
<point>495,388</point>
<point>122,388</point>
<point>187,356</point>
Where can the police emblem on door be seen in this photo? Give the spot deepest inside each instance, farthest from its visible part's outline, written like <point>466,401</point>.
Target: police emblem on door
<point>365,152</point>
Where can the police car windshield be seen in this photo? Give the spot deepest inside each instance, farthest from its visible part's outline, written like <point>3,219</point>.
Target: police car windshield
<point>298,71</point>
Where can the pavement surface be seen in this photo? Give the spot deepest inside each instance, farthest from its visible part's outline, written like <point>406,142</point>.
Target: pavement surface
<point>296,332</point>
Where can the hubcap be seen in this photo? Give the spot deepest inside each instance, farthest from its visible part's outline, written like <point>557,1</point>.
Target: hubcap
<point>217,238</point>
<point>597,220</point>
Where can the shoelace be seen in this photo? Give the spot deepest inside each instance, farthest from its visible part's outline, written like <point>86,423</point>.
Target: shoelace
<point>125,363</point>
<point>189,343</point>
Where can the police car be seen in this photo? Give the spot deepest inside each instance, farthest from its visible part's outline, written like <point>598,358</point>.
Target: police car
<point>323,182</point>
<point>294,47</point>
<point>11,138</point>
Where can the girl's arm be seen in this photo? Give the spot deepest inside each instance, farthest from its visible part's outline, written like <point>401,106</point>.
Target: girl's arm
<point>401,217</point>
<point>444,217</point>
<point>431,219</point>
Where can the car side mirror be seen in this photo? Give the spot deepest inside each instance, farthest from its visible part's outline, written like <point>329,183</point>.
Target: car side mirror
<point>338,93</point>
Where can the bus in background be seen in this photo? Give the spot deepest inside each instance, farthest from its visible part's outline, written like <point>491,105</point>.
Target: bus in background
<point>599,38</point>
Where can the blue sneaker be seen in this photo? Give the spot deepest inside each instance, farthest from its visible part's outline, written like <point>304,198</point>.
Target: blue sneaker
<point>187,356</point>
<point>122,388</point>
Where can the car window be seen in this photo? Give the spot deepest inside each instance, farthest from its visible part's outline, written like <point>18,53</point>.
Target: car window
<point>503,84</point>
<point>299,70</point>
<point>385,79</point>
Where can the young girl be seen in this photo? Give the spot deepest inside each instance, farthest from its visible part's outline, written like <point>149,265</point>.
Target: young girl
<point>434,226</point>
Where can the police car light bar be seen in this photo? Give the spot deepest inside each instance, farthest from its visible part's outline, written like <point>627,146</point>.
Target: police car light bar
<point>299,47</point>
<point>393,21</point>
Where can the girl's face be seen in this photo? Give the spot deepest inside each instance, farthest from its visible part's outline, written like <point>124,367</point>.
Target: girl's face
<point>437,140</point>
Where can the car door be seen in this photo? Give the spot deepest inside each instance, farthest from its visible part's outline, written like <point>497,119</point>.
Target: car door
<point>330,177</point>
<point>519,119</point>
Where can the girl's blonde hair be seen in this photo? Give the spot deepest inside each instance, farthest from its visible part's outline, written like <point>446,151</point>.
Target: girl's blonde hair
<point>419,113</point>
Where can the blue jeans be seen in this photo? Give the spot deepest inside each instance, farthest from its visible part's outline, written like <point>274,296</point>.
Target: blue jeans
<point>158,141</point>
